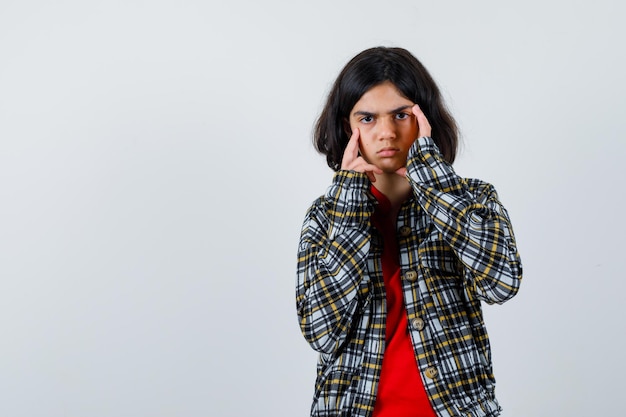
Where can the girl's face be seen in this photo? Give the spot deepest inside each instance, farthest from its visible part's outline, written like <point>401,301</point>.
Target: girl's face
<point>387,126</point>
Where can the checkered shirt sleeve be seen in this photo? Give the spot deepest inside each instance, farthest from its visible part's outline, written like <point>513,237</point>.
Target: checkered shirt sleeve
<point>334,245</point>
<point>472,221</point>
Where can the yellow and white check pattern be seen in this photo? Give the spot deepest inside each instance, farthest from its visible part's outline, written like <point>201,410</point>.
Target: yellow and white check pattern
<point>456,248</point>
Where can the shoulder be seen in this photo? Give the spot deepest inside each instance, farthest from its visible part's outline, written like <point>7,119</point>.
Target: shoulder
<point>318,205</point>
<point>317,213</point>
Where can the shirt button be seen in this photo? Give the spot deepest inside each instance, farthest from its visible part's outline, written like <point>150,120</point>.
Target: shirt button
<point>410,275</point>
<point>417,323</point>
<point>405,231</point>
<point>431,372</point>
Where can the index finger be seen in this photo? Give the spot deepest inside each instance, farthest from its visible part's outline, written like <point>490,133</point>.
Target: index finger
<point>353,144</point>
<point>423,126</point>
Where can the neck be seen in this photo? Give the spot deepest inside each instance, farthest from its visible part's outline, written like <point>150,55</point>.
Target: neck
<point>396,188</point>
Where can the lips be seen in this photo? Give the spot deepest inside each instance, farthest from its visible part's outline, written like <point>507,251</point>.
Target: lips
<point>387,152</point>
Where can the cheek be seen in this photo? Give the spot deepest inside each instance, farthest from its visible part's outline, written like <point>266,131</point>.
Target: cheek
<point>365,140</point>
<point>410,132</point>
<point>366,146</point>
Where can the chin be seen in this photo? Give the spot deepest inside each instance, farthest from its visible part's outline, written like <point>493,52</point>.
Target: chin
<point>390,170</point>
<point>390,167</point>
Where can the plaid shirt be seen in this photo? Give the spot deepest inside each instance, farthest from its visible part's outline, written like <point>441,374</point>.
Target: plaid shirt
<point>456,248</point>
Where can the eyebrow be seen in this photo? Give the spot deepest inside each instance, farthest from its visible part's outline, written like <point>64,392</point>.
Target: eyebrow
<point>396,110</point>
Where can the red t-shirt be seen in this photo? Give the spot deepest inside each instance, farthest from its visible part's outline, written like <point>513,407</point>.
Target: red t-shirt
<point>401,392</point>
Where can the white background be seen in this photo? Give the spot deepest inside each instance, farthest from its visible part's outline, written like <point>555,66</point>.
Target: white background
<point>155,167</point>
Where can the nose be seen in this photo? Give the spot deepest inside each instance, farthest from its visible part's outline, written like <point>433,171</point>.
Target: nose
<point>386,128</point>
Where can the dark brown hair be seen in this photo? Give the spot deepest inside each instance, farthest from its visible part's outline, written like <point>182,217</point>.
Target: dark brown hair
<point>366,70</point>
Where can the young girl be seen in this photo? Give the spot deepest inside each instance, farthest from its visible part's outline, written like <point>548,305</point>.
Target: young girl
<point>395,258</point>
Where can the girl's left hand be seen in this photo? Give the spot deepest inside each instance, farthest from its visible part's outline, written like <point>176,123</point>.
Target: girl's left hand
<point>423,129</point>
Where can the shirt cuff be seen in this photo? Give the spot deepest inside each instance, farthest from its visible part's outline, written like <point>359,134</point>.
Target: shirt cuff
<point>351,179</point>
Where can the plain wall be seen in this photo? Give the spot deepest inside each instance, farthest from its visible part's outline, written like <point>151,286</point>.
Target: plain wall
<point>156,164</point>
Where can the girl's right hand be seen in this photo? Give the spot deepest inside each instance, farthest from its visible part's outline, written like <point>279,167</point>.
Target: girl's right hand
<point>352,161</point>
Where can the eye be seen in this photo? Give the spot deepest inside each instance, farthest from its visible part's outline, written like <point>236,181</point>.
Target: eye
<point>367,119</point>
<point>402,116</point>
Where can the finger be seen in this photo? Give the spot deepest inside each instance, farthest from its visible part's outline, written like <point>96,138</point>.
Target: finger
<point>361,165</point>
<point>423,126</point>
<point>371,171</point>
<point>351,152</point>
<point>364,166</point>
<point>375,169</point>
<point>353,144</point>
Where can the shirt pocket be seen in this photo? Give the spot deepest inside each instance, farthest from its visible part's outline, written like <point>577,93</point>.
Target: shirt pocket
<point>337,389</point>
<point>443,274</point>
<point>338,377</point>
<point>461,343</point>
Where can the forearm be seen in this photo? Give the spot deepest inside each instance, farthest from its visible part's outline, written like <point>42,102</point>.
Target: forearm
<point>332,257</point>
<point>471,220</point>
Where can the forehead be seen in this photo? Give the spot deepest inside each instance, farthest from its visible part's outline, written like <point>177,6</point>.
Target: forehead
<point>381,98</point>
